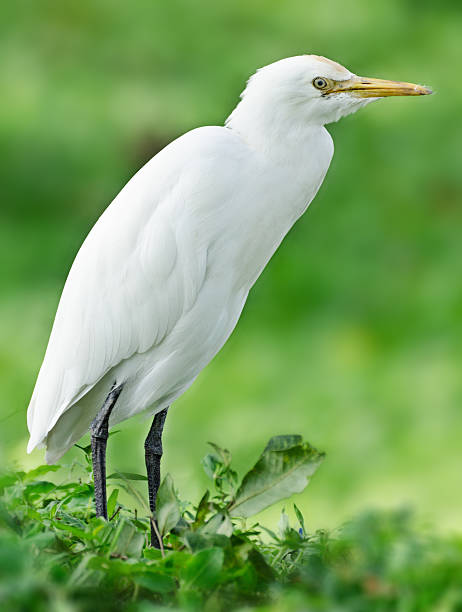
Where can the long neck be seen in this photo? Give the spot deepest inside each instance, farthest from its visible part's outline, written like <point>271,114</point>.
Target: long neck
<point>270,129</point>
<point>292,158</point>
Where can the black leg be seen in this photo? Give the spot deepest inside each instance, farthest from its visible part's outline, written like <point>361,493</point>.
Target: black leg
<point>99,433</point>
<point>153,454</point>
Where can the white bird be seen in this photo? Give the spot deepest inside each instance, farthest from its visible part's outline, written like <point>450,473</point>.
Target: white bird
<point>161,280</point>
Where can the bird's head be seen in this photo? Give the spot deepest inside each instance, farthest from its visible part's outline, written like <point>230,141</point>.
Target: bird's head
<point>313,90</point>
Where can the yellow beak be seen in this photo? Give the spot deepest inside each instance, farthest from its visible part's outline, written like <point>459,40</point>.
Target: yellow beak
<point>378,88</point>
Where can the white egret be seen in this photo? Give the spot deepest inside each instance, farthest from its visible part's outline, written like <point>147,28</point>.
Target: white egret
<point>160,281</point>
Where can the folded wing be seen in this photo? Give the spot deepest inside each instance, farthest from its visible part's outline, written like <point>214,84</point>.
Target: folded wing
<point>140,268</point>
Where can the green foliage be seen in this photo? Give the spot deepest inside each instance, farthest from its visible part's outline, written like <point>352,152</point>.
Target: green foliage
<point>168,508</point>
<point>283,469</point>
<point>56,555</point>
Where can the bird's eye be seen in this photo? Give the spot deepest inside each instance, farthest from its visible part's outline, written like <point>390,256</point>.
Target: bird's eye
<point>320,83</point>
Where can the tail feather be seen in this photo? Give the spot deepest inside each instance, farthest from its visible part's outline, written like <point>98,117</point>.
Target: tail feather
<point>74,420</point>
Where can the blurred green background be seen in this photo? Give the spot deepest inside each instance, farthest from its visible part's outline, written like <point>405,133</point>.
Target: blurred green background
<point>352,336</point>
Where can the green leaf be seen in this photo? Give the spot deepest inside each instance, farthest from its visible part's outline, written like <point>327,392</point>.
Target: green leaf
<point>116,567</point>
<point>203,570</point>
<point>126,476</point>
<point>202,510</point>
<point>210,465</point>
<point>259,563</point>
<point>127,486</point>
<point>168,509</point>
<point>39,487</point>
<point>85,449</point>
<point>219,523</point>
<point>226,527</point>
<point>8,479</point>
<point>222,454</point>
<point>39,471</point>
<point>152,554</point>
<point>111,502</point>
<point>283,469</point>
<point>196,541</point>
<point>269,532</point>
<point>300,519</point>
<point>156,582</point>
<point>283,525</point>
<point>127,540</point>
<point>75,531</point>
<point>42,540</point>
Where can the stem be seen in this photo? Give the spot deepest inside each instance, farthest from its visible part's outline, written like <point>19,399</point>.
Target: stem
<point>159,537</point>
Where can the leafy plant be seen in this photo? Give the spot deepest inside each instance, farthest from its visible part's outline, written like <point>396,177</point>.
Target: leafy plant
<point>56,555</point>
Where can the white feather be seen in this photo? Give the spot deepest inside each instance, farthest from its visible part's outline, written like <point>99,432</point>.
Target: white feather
<point>160,282</point>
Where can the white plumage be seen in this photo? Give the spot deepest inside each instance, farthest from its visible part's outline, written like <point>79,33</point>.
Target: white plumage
<point>160,282</point>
